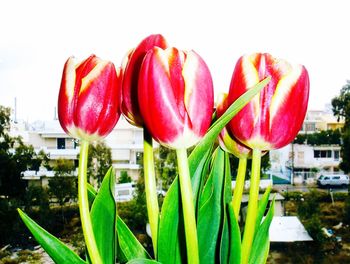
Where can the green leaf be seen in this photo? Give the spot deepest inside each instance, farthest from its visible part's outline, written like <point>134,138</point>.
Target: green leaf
<point>128,243</point>
<point>168,238</point>
<point>235,237</point>
<point>261,243</point>
<point>142,261</point>
<point>58,251</point>
<point>103,217</point>
<point>91,193</point>
<point>210,210</point>
<point>230,247</point>
<point>262,207</point>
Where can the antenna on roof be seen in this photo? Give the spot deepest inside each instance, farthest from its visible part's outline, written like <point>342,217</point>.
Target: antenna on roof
<point>15,112</point>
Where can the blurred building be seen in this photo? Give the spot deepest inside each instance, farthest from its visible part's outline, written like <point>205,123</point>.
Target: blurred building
<point>297,163</point>
<point>125,141</point>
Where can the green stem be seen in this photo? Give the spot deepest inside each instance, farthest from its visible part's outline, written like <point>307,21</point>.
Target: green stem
<point>252,211</point>
<point>84,205</point>
<point>188,207</point>
<point>150,188</point>
<point>240,179</point>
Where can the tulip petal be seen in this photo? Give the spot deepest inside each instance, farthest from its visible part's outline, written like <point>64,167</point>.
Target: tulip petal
<point>198,101</point>
<point>66,94</point>
<point>288,109</point>
<point>131,69</point>
<point>157,98</point>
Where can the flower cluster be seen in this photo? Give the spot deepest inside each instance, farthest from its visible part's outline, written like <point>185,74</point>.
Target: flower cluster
<point>169,93</point>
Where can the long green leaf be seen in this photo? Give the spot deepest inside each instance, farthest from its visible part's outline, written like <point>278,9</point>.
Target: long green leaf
<point>261,243</point>
<point>103,217</point>
<point>91,193</point>
<point>168,239</point>
<point>226,200</point>
<point>143,261</point>
<point>130,248</point>
<point>128,244</point>
<point>58,251</point>
<point>235,237</point>
<point>262,207</point>
<point>210,211</point>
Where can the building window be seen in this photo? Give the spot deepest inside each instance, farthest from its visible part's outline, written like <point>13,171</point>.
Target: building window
<point>61,143</point>
<point>139,157</point>
<point>310,127</point>
<point>322,153</point>
<point>336,154</point>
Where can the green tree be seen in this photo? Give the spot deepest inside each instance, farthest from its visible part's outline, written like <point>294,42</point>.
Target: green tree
<point>341,104</point>
<point>341,109</point>
<point>15,157</point>
<point>325,137</point>
<point>165,165</point>
<point>64,185</point>
<point>99,161</point>
<point>124,177</point>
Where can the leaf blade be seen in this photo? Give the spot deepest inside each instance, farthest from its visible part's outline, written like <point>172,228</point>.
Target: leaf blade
<point>58,251</point>
<point>128,243</point>
<point>103,218</point>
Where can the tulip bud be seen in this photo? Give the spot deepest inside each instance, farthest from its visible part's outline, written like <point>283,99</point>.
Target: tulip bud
<point>131,69</point>
<point>272,118</point>
<point>89,98</point>
<point>175,96</point>
<point>226,141</point>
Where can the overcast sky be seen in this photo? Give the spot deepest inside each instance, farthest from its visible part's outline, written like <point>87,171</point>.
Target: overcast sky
<point>36,38</point>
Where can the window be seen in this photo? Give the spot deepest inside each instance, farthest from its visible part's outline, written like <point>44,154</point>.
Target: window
<point>336,154</point>
<point>310,127</point>
<point>61,143</point>
<point>322,153</point>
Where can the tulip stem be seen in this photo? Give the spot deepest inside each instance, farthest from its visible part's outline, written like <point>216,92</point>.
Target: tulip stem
<point>239,187</point>
<point>188,207</point>
<point>150,188</point>
<point>84,205</point>
<point>249,228</point>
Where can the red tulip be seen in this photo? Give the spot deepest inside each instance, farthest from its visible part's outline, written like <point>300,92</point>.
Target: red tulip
<point>273,118</point>
<point>226,141</point>
<point>131,69</point>
<point>175,96</point>
<point>89,98</point>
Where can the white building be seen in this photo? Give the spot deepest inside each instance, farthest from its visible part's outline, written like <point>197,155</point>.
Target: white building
<point>125,141</point>
<point>307,160</point>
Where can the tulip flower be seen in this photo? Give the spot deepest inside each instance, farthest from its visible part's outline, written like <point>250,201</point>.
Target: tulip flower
<point>88,109</point>
<point>176,102</point>
<point>175,96</point>
<point>131,69</point>
<point>89,98</point>
<point>271,119</point>
<point>130,109</point>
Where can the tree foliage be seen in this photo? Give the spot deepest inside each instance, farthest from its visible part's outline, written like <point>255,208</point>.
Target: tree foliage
<point>165,165</point>
<point>325,137</point>
<point>124,177</point>
<point>15,157</point>
<point>99,161</point>
<point>341,104</point>
<point>341,109</point>
<point>64,185</point>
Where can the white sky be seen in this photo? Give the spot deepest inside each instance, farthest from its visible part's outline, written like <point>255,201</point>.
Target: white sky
<point>36,38</point>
